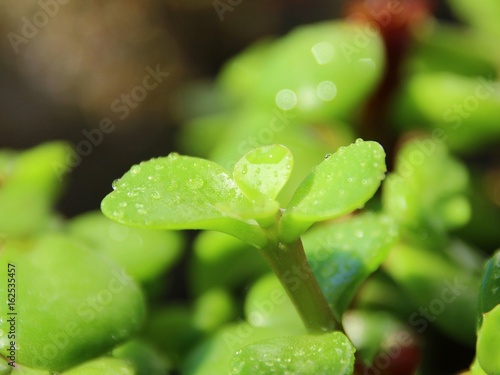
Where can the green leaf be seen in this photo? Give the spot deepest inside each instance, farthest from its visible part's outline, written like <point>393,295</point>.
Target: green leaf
<point>102,366</point>
<point>5,368</point>
<point>29,184</point>
<point>343,182</point>
<point>145,359</point>
<point>72,304</point>
<point>213,356</point>
<point>262,172</point>
<point>344,254</point>
<point>268,305</point>
<point>488,342</point>
<point>221,260</point>
<point>489,296</point>
<point>182,192</point>
<point>443,292</point>
<point>325,354</point>
<point>428,187</point>
<point>144,253</point>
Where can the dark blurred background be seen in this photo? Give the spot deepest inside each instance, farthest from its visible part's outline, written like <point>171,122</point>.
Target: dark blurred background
<point>64,63</point>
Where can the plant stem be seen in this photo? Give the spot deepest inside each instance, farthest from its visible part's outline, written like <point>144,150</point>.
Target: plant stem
<point>289,263</point>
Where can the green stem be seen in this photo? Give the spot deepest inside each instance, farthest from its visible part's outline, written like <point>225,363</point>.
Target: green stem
<point>289,263</point>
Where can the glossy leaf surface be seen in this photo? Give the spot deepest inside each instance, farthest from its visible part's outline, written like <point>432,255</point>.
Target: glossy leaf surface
<point>262,172</point>
<point>325,354</point>
<point>182,192</point>
<point>344,254</point>
<point>343,182</point>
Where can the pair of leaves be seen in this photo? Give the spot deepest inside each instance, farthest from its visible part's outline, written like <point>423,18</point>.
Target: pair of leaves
<point>181,192</point>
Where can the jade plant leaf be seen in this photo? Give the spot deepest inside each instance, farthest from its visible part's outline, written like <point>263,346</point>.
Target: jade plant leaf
<point>489,296</point>
<point>344,254</point>
<point>262,172</point>
<point>333,353</point>
<point>220,260</point>
<point>145,359</point>
<point>268,305</point>
<point>29,183</point>
<point>144,253</point>
<point>182,192</point>
<point>488,342</point>
<point>102,366</point>
<point>428,186</point>
<point>443,292</point>
<point>72,304</point>
<point>343,182</point>
<point>213,356</point>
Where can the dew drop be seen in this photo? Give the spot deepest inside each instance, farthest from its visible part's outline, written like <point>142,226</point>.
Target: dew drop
<point>326,91</point>
<point>375,164</point>
<point>195,183</point>
<point>286,99</point>
<point>359,233</point>
<point>244,170</point>
<point>155,195</point>
<point>364,181</point>
<point>118,214</point>
<point>359,141</point>
<point>341,191</point>
<point>142,211</point>
<point>158,167</point>
<point>173,156</point>
<point>132,194</point>
<point>328,155</point>
<point>115,183</point>
<point>122,204</point>
<point>135,170</point>
<point>350,179</point>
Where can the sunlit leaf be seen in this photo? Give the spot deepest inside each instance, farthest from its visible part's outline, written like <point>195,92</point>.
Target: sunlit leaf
<point>342,183</point>
<point>262,172</point>
<point>325,354</point>
<point>182,192</point>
